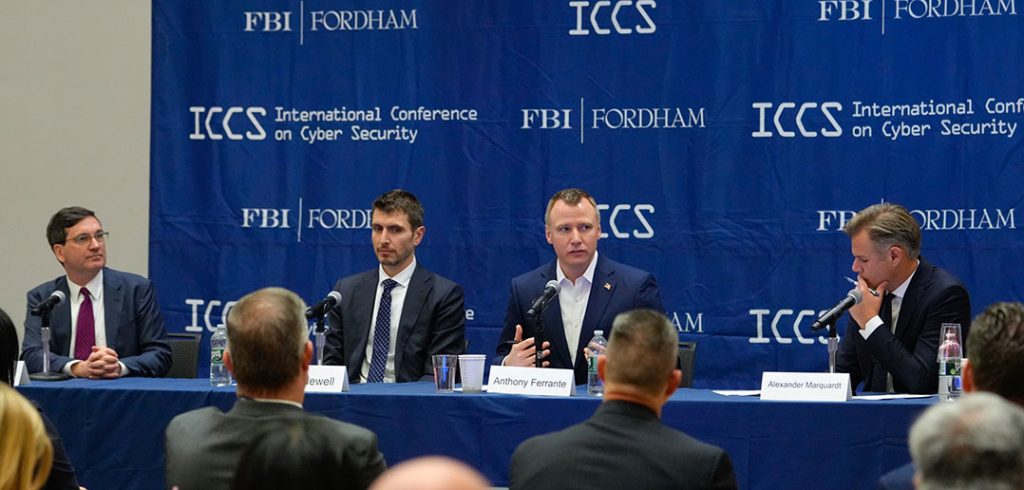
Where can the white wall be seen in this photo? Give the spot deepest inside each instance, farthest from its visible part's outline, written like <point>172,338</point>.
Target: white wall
<point>74,130</point>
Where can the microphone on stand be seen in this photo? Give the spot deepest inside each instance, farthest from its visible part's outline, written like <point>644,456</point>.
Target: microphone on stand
<point>551,290</point>
<point>318,310</point>
<point>853,297</point>
<point>56,298</point>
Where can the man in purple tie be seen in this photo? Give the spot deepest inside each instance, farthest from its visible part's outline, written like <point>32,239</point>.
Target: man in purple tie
<point>394,317</point>
<point>111,324</point>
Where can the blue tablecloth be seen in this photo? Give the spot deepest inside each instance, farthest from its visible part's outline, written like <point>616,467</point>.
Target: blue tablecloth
<point>114,430</point>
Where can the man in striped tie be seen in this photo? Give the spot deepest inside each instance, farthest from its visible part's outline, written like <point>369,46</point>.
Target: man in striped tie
<point>393,318</point>
<point>111,325</point>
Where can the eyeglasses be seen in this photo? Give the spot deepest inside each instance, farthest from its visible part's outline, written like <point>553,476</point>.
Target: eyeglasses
<point>85,238</point>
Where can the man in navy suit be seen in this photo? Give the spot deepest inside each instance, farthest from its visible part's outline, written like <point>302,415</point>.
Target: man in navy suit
<point>892,341</point>
<point>110,326</point>
<point>393,318</point>
<point>593,290</point>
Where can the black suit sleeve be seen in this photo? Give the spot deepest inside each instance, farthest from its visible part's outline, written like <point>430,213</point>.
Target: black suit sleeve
<point>723,477</point>
<point>334,340</point>
<point>154,358</point>
<point>513,317</point>
<point>648,296</point>
<point>62,474</point>
<point>448,335</point>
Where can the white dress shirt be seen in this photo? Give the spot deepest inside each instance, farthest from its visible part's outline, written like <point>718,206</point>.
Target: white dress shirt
<point>572,300</point>
<point>397,302</point>
<point>876,321</point>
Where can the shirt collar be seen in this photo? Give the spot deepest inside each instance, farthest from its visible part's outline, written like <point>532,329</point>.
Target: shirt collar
<point>402,278</point>
<point>95,287</point>
<point>275,400</point>
<point>902,290</point>
<point>587,274</point>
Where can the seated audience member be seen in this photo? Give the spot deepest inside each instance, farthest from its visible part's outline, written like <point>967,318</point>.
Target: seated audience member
<point>25,451</point>
<point>976,442</point>
<point>295,455</point>
<point>268,353</point>
<point>110,325</point>
<point>996,365</point>
<point>62,474</point>
<point>625,444</point>
<point>431,473</point>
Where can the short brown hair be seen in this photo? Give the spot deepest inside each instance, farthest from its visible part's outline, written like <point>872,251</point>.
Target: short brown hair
<point>404,201</point>
<point>995,347</point>
<point>888,224</point>
<point>267,336</point>
<point>642,351</point>
<point>56,229</point>
<point>572,197</point>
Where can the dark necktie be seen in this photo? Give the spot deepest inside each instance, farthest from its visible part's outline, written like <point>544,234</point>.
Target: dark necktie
<point>879,375</point>
<point>85,337</point>
<point>381,335</point>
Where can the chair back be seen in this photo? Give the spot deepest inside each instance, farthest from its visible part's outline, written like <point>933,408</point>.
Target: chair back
<point>687,355</point>
<point>184,354</point>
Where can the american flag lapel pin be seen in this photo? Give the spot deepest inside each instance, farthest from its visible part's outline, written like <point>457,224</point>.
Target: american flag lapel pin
<point>608,286</point>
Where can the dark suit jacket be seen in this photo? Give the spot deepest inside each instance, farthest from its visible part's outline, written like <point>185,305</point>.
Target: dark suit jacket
<point>203,446</point>
<point>62,473</point>
<point>933,297</point>
<point>134,326</point>
<point>433,322</point>
<point>901,478</point>
<point>623,445</point>
<point>617,288</point>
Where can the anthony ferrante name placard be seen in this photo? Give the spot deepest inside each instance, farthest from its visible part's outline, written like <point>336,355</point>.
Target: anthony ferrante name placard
<point>531,381</point>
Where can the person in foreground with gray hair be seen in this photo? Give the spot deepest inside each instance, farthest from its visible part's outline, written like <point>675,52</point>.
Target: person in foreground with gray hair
<point>625,444</point>
<point>974,443</point>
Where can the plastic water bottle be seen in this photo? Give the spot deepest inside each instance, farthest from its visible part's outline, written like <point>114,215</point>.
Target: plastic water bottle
<point>950,360</point>
<point>219,375</point>
<point>596,346</point>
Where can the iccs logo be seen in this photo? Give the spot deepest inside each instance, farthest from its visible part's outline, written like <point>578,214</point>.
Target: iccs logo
<point>828,128</point>
<point>781,318</point>
<point>621,219</point>
<point>216,122</point>
<point>628,11</point>
<point>844,10</point>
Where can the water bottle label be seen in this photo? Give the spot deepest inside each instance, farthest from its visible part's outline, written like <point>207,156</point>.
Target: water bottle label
<point>216,356</point>
<point>949,368</point>
<point>592,364</point>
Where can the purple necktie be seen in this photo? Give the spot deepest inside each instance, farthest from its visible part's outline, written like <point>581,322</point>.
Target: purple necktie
<point>85,337</point>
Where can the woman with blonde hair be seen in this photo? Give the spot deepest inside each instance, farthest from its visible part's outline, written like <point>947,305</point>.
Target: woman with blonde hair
<point>25,450</point>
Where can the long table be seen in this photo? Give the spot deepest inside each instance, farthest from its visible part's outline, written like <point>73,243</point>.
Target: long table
<point>114,430</point>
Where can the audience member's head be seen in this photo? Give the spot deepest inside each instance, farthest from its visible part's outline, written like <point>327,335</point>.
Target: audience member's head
<point>995,350</point>
<point>293,455</point>
<point>641,356</point>
<point>268,343</point>
<point>25,451</point>
<point>8,349</point>
<point>431,473</point>
<point>976,442</point>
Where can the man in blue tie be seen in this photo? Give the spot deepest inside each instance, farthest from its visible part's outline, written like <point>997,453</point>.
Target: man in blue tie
<point>393,318</point>
<point>111,325</point>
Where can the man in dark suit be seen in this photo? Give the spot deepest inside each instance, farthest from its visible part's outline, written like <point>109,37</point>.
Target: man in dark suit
<point>593,290</point>
<point>392,319</point>
<point>892,341</point>
<point>268,354</point>
<point>111,325</point>
<point>996,365</point>
<point>625,444</point>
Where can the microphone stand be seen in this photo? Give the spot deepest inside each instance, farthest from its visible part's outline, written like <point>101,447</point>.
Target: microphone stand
<point>319,335</point>
<point>538,335</point>
<point>44,337</point>
<point>833,346</point>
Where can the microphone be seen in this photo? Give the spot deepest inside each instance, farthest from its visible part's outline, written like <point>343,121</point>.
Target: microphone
<point>56,298</point>
<point>853,297</point>
<point>319,309</point>
<point>551,290</point>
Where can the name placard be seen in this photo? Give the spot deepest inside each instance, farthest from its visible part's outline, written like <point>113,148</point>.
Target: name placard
<point>327,379</point>
<point>806,387</point>
<point>21,375</point>
<point>531,381</point>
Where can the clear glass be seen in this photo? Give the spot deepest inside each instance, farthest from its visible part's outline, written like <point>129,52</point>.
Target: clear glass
<point>950,359</point>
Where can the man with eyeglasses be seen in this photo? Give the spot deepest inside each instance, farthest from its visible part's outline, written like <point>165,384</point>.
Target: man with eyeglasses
<point>594,289</point>
<point>111,325</point>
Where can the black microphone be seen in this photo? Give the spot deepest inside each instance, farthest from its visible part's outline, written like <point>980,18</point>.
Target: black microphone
<point>853,297</point>
<point>551,290</point>
<point>56,298</point>
<point>318,310</point>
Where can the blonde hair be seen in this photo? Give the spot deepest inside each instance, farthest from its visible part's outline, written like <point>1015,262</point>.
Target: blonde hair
<point>25,451</point>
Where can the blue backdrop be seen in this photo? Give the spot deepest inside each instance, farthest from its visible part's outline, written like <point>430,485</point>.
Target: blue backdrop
<point>727,143</point>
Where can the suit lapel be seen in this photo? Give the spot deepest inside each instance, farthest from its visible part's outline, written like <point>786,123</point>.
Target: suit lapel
<point>600,296</point>
<point>419,287</point>
<point>112,302</point>
<point>61,315</point>
<point>362,305</point>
